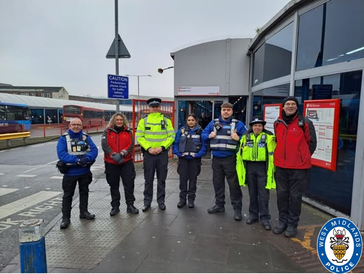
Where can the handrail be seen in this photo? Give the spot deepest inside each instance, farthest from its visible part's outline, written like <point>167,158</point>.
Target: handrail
<point>16,135</point>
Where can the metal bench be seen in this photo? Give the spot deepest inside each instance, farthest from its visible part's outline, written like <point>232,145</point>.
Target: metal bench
<point>18,135</point>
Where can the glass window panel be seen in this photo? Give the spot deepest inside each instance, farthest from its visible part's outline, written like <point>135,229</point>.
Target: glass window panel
<point>258,66</point>
<point>344,35</point>
<point>278,54</point>
<point>334,189</point>
<point>309,39</point>
<point>272,95</point>
<point>273,58</point>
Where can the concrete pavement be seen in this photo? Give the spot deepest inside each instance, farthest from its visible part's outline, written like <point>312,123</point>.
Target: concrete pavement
<point>178,240</point>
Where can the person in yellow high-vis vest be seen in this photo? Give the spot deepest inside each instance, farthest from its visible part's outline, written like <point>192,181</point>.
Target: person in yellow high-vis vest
<point>255,167</point>
<point>155,134</point>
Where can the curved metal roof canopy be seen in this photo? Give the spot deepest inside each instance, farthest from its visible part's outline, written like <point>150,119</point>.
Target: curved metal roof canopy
<point>41,102</point>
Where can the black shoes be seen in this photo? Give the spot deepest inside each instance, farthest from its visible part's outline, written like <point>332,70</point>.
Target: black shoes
<point>181,204</point>
<point>162,206</point>
<point>114,211</point>
<point>251,220</point>
<point>279,229</point>
<point>216,209</point>
<point>87,215</point>
<point>145,208</point>
<point>290,232</point>
<point>237,215</point>
<point>191,204</point>
<point>131,209</point>
<point>266,225</point>
<point>65,223</point>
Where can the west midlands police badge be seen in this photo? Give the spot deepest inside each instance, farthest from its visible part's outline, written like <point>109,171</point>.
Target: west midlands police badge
<point>339,245</point>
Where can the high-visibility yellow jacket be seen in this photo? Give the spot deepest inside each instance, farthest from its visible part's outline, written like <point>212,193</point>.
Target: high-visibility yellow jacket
<point>154,131</point>
<point>256,148</point>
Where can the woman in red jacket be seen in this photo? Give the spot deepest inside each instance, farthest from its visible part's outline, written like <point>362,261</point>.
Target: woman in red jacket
<point>117,143</point>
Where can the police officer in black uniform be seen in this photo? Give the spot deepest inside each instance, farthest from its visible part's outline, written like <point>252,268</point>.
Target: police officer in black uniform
<point>77,152</point>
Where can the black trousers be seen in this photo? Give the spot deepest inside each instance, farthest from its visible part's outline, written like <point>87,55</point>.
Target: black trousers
<point>69,186</point>
<point>258,194</point>
<point>151,164</point>
<point>188,170</point>
<point>127,174</point>
<point>226,167</point>
<point>291,184</point>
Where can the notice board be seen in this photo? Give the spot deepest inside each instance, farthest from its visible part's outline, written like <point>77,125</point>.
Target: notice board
<point>325,116</point>
<point>271,113</point>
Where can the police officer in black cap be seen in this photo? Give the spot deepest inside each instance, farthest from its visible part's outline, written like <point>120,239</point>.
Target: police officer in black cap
<point>155,134</point>
<point>255,167</point>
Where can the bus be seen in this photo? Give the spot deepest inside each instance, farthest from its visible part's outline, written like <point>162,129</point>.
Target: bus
<point>90,117</point>
<point>14,118</point>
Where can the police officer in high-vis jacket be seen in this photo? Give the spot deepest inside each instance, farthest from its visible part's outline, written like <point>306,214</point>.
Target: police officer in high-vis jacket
<point>224,135</point>
<point>190,148</point>
<point>78,152</point>
<point>255,167</point>
<point>155,134</point>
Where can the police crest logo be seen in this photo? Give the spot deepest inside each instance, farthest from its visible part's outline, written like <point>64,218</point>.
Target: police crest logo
<point>339,245</point>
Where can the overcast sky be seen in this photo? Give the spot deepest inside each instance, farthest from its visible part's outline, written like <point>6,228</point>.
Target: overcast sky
<point>64,43</point>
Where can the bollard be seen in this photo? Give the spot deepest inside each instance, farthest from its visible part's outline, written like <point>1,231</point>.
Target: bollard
<point>32,247</point>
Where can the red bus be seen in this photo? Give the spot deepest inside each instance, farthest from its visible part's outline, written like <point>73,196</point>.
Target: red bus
<point>90,117</point>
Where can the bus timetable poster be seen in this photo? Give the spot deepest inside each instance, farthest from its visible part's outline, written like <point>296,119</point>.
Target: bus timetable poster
<point>325,116</point>
<point>270,114</point>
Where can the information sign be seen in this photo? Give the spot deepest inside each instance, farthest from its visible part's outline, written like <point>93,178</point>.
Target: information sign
<point>270,114</point>
<point>325,116</point>
<point>118,86</point>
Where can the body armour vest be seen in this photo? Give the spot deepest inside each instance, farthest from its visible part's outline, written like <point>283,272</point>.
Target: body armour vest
<point>223,141</point>
<point>190,142</point>
<point>75,146</point>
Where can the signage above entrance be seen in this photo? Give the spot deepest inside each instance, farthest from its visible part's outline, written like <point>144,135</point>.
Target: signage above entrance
<point>199,91</point>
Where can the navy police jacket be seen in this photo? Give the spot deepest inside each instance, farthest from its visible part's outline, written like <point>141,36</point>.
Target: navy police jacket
<point>189,141</point>
<point>73,146</point>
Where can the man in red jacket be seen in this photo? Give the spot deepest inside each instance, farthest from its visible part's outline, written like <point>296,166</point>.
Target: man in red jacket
<point>296,142</point>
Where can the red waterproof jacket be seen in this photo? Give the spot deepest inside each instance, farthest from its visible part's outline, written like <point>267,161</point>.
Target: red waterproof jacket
<point>295,143</point>
<point>112,141</point>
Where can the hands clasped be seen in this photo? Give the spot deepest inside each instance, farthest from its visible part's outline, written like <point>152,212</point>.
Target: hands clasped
<point>117,157</point>
<point>83,161</point>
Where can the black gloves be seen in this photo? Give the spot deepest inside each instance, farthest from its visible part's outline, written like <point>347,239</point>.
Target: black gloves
<point>83,161</point>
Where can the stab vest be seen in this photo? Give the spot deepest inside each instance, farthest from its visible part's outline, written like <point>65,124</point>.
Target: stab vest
<point>75,146</point>
<point>223,141</point>
<point>190,142</point>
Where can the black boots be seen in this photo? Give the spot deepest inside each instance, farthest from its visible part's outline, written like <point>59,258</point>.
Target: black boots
<point>131,209</point>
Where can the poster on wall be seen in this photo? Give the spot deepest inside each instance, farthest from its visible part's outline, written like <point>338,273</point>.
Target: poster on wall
<point>271,113</point>
<point>325,116</point>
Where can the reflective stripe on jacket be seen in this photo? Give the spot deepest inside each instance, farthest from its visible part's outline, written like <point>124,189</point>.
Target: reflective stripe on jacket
<point>189,140</point>
<point>155,131</point>
<point>259,149</point>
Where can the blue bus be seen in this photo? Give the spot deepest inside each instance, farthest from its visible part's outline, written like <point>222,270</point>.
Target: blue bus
<point>14,118</point>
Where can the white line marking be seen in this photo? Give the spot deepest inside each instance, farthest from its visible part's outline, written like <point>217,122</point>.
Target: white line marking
<point>57,177</point>
<point>2,173</point>
<point>26,175</point>
<point>19,205</point>
<point>4,191</point>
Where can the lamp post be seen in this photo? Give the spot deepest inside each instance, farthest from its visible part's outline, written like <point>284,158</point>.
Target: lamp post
<point>146,75</point>
<point>160,70</point>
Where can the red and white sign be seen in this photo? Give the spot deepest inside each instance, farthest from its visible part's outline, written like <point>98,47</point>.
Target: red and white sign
<point>325,116</point>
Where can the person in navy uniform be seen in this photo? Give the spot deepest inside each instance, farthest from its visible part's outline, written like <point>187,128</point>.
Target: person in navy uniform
<point>78,152</point>
<point>224,135</point>
<point>189,147</point>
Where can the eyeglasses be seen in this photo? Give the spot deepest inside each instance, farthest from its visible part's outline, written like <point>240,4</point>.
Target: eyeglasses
<point>76,125</point>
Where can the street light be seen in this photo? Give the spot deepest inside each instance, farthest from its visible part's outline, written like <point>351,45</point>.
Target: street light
<point>160,70</point>
<point>148,75</point>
